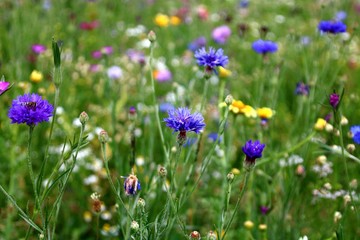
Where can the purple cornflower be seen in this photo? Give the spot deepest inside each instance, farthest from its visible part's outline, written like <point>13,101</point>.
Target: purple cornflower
<point>221,34</point>
<point>114,72</point>
<point>264,46</point>
<point>211,59</point>
<point>252,150</point>
<point>131,185</point>
<point>163,75</point>
<point>136,56</point>
<point>30,109</point>
<point>302,89</point>
<point>181,120</point>
<point>355,131</point>
<point>334,100</point>
<point>264,210</point>
<point>38,48</point>
<point>96,54</point>
<point>107,50</point>
<point>4,86</point>
<point>340,16</point>
<point>333,27</point>
<point>197,43</point>
<point>166,106</point>
<point>244,3</point>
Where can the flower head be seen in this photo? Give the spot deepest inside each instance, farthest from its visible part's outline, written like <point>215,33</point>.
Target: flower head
<point>264,46</point>
<point>265,113</point>
<point>355,131</point>
<point>181,120</point>
<point>89,26</point>
<point>4,86</point>
<point>36,76</point>
<point>162,75</point>
<point>114,72</point>
<point>333,27</point>
<point>197,43</point>
<point>38,48</point>
<point>213,58</point>
<point>252,151</point>
<point>302,89</point>
<point>161,20</point>
<point>334,100</point>
<point>131,185</point>
<point>221,34</point>
<point>30,109</point>
<point>320,124</point>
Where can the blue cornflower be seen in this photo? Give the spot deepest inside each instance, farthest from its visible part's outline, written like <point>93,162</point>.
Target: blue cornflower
<point>211,59</point>
<point>197,43</point>
<point>181,120</point>
<point>333,27</point>
<point>264,46</point>
<point>302,89</point>
<point>30,109</point>
<point>340,16</point>
<point>252,151</point>
<point>131,185</point>
<point>355,131</point>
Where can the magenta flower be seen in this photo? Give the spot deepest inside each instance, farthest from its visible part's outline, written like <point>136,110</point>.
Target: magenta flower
<point>163,75</point>
<point>38,48</point>
<point>334,100</point>
<point>4,86</point>
<point>89,26</point>
<point>221,34</point>
<point>96,54</point>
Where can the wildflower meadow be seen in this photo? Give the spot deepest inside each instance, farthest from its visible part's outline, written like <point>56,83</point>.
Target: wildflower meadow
<point>180,119</point>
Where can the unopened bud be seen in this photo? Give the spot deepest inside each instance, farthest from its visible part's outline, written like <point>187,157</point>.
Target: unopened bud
<point>337,216</point>
<point>96,203</point>
<point>195,235</point>
<point>351,148</point>
<point>329,127</point>
<point>354,184</point>
<point>321,159</point>
<point>132,113</point>
<point>300,170</point>
<point>211,235</point>
<point>230,176</point>
<point>103,136</point>
<point>134,226</point>
<point>248,225</point>
<point>344,121</point>
<point>229,99</point>
<point>152,36</point>
<point>141,203</point>
<point>262,227</point>
<point>347,199</point>
<point>162,171</point>
<point>83,118</point>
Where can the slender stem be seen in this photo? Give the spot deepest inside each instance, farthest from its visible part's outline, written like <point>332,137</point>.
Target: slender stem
<point>204,95</point>
<point>173,171</point>
<point>226,205</point>
<point>167,157</point>
<point>113,188</point>
<point>237,204</point>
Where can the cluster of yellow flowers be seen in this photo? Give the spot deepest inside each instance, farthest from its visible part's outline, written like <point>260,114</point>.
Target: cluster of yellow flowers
<point>163,20</point>
<point>239,107</point>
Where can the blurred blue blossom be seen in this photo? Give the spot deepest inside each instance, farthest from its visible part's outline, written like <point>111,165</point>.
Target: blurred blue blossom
<point>264,46</point>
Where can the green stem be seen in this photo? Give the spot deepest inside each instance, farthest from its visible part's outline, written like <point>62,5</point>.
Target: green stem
<point>226,205</point>
<point>167,156</point>
<point>173,171</point>
<point>113,188</point>
<point>222,236</point>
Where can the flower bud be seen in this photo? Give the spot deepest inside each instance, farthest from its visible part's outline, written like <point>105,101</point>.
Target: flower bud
<point>230,176</point>
<point>96,203</point>
<point>337,216</point>
<point>195,235</point>
<point>103,136</point>
<point>134,226</point>
<point>211,235</point>
<point>162,171</point>
<point>262,227</point>
<point>351,148</point>
<point>347,199</point>
<point>229,99</point>
<point>141,203</point>
<point>248,225</point>
<point>152,36</point>
<point>83,118</point>
<point>354,184</point>
<point>132,113</point>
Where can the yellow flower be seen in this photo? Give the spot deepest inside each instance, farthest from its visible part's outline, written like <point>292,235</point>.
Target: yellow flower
<point>106,227</point>
<point>236,106</point>
<point>235,171</point>
<point>161,20</point>
<point>36,76</point>
<point>248,224</point>
<point>87,216</point>
<point>175,20</point>
<point>320,124</point>
<point>224,73</point>
<point>262,227</point>
<point>248,111</point>
<point>265,113</point>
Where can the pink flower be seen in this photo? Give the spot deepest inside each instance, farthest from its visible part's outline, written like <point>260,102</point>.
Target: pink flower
<point>89,26</point>
<point>221,34</point>
<point>4,86</point>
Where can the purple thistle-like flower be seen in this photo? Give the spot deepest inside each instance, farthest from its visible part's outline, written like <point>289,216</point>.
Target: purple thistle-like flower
<point>30,109</point>
<point>131,185</point>
<point>38,48</point>
<point>333,27</point>
<point>302,89</point>
<point>213,58</point>
<point>264,46</point>
<point>355,131</point>
<point>334,100</point>
<point>4,86</point>
<point>181,119</point>
<point>252,150</point>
